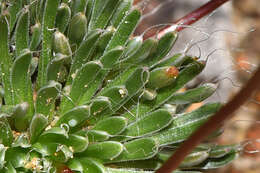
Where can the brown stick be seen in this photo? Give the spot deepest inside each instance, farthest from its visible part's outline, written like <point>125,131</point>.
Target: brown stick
<point>189,19</point>
<point>210,126</point>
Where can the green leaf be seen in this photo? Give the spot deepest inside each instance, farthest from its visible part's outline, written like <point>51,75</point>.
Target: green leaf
<point>22,32</point>
<point>16,156</point>
<point>14,10</point>
<point>10,168</point>
<point>56,135</point>
<point>105,15</point>
<point>103,41</point>
<point>86,165</point>
<point>79,6</point>
<point>116,95</point>
<point>6,135</point>
<point>38,124</point>
<point>36,36</point>
<point>133,84</point>
<point>149,164</point>
<point>124,30</point>
<point>112,125</point>
<point>20,116</point>
<point>217,162</point>
<point>133,46</point>
<point>99,104</point>
<point>111,57</point>
<point>220,151</point>
<point>5,60</point>
<point>89,8</point>
<point>149,124</point>
<point>139,149</point>
<point>82,80</point>
<point>61,44</point>
<point>45,100</point>
<point>165,44</point>
<point>97,8</point>
<point>63,17</point>
<point>97,135</point>
<point>162,77</point>
<point>48,24</point>
<point>120,79</point>
<point>77,28</point>
<point>77,143</point>
<point>194,159</point>
<point>62,154</point>
<point>141,54</point>
<point>21,141</point>
<point>187,74</point>
<point>108,150</point>
<point>2,155</point>
<point>45,149</point>
<point>174,60</point>
<point>108,60</point>
<point>54,67</point>
<point>33,65</point>
<point>185,124</point>
<point>193,95</point>
<point>74,117</point>
<point>122,10</point>
<point>82,55</point>
<point>20,78</point>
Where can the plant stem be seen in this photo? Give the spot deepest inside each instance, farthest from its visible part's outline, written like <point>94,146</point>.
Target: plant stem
<point>189,19</point>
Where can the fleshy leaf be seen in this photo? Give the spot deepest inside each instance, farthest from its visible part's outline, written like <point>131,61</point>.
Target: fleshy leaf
<point>139,149</point>
<point>54,135</point>
<point>105,14</point>
<point>184,125</point>
<point>38,124</point>
<point>46,97</point>
<point>74,117</point>
<point>63,17</point>
<point>83,78</point>
<point>99,104</point>
<point>103,150</point>
<point>82,54</point>
<point>6,136</point>
<point>16,156</point>
<point>54,67</point>
<point>148,124</point>
<point>124,30</point>
<point>97,135</point>
<point>2,155</point>
<point>49,15</point>
<point>22,32</point>
<point>87,165</point>
<point>193,95</point>
<point>112,125</point>
<point>77,28</point>
<point>77,143</point>
<point>187,74</point>
<point>36,36</point>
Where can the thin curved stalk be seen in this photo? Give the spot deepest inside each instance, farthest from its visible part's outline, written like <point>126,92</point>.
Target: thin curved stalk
<point>189,19</point>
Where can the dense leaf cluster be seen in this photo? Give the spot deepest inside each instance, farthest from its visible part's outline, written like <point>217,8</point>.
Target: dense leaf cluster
<point>80,92</point>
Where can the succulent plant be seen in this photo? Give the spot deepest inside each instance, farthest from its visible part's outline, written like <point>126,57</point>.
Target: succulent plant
<point>80,93</point>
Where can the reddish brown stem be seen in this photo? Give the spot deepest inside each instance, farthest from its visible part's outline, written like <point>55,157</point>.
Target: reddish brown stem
<point>210,126</point>
<point>189,19</point>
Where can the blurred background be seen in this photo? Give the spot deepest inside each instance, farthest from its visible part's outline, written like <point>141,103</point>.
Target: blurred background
<point>231,43</point>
